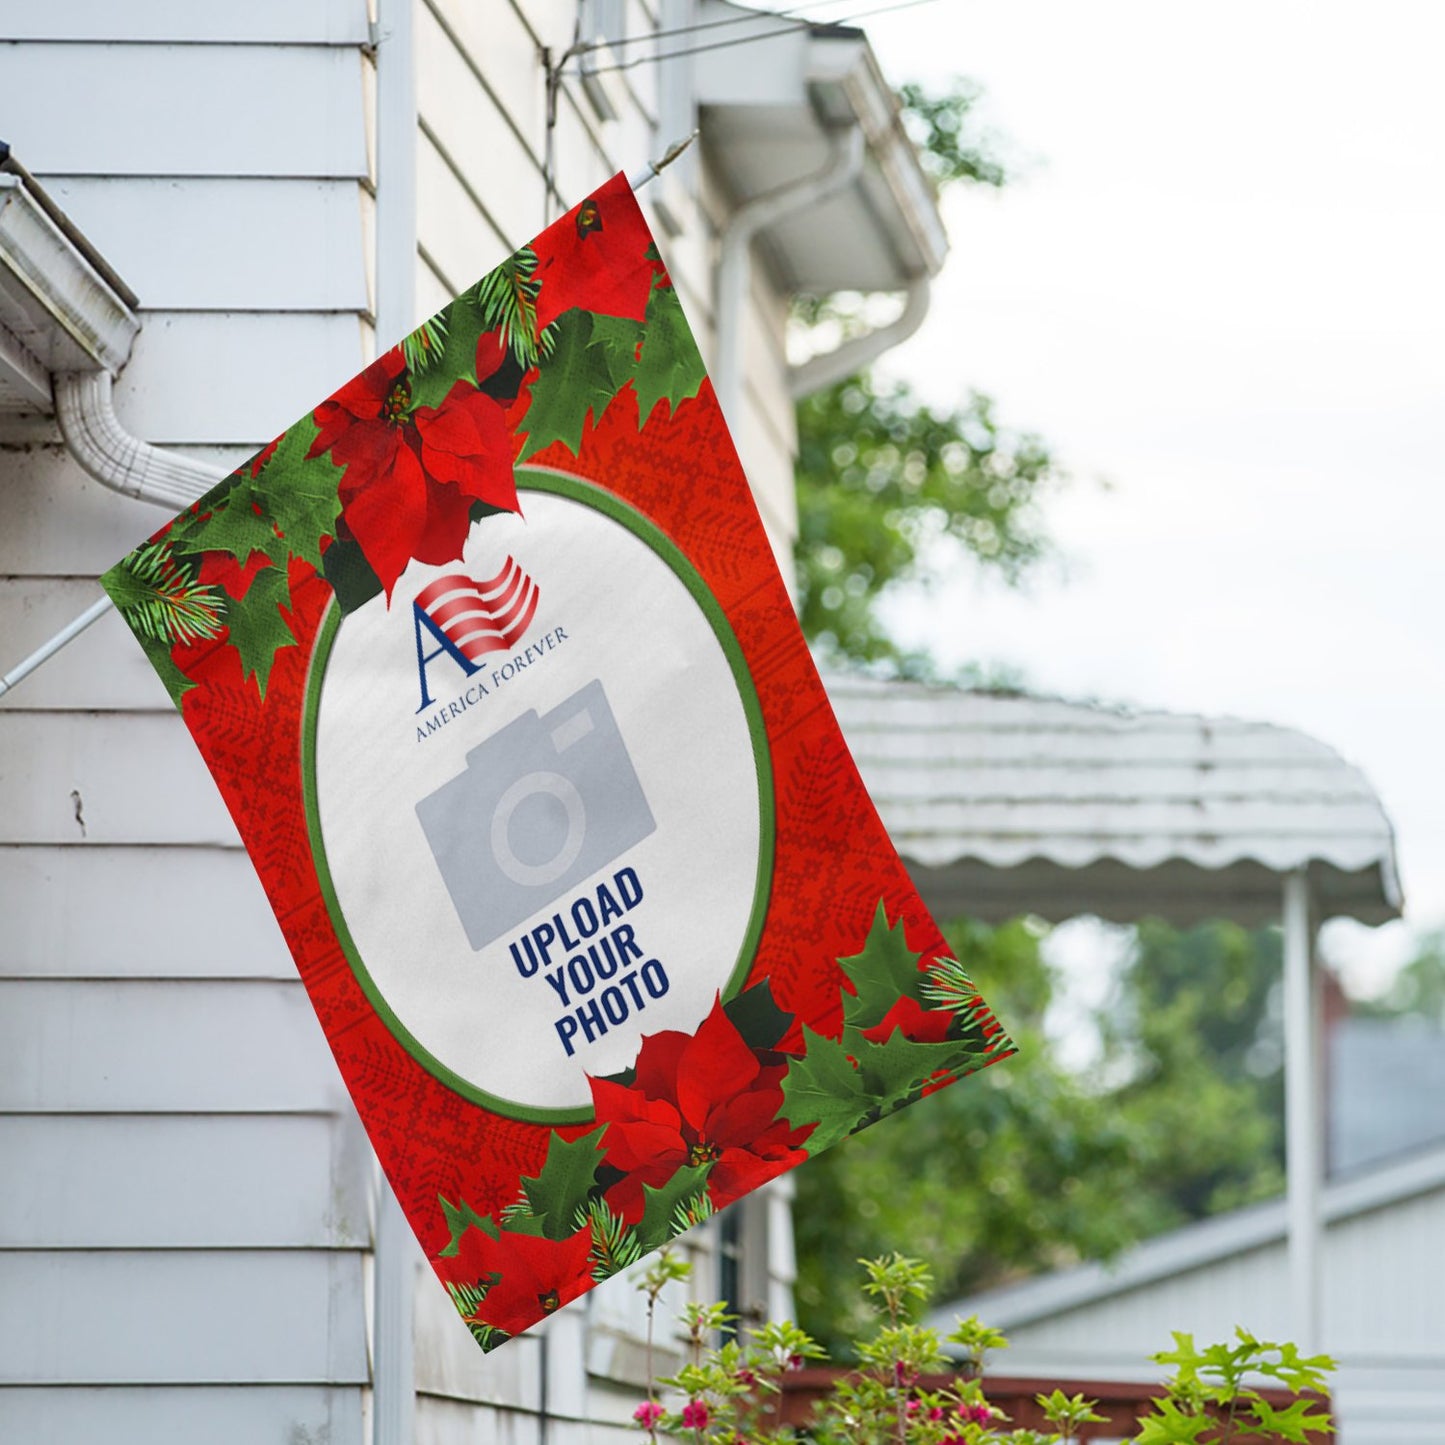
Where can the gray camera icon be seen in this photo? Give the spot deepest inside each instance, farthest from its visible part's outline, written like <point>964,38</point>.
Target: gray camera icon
<point>542,804</point>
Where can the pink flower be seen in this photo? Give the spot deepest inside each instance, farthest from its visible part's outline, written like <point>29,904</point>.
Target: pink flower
<point>648,1413</point>
<point>795,1362</point>
<point>695,1415</point>
<point>746,1377</point>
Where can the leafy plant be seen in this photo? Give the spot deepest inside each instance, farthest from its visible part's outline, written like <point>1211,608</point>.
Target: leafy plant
<point>730,1394</point>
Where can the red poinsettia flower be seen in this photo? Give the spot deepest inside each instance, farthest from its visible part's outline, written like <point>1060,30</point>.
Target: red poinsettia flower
<point>530,1276</point>
<point>411,476</point>
<point>922,1025</point>
<point>703,1098</point>
<point>595,257</point>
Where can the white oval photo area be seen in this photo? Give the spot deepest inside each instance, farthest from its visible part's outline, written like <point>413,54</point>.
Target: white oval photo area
<point>538,803</point>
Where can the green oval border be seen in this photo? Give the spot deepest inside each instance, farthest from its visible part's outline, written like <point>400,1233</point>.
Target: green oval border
<point>587,494</point>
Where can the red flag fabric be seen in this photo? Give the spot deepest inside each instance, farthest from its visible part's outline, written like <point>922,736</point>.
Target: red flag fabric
<point>489,656</point>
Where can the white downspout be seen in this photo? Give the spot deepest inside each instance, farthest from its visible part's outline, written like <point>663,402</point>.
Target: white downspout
<point>860,351</point>
<point>94,436</point>
<point>734,269</point>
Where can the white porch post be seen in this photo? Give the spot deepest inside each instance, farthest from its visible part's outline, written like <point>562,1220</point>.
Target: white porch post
<point>1303,1151</point>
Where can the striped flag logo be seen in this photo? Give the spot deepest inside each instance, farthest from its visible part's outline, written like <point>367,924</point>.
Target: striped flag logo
<point>480,617</point>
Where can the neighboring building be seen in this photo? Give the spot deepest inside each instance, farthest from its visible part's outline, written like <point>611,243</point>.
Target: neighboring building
<point>1005,804</point>
<point>1384,1300</point>
<point>1386,1090</point>
<point>257,195</point>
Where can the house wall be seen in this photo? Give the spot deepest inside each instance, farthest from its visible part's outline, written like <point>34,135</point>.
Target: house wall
<point>1383,1319</point>
<point>187,1199</point>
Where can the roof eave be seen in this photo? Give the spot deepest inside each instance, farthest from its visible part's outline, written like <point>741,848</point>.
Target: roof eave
<point>57,312</point>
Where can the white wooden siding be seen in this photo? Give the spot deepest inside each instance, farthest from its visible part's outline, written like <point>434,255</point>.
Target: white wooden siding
<point>60,783</point>
<point>139,1046</point>
<point>181,1317</point>
<point>233,377</point>
<point>185,110</point>
<point>184,1181</point>
<point>186,1204</point>
<point>281,22</point>
<point>217,1415</point>
<point>60,904</point>
<point>227,243</point>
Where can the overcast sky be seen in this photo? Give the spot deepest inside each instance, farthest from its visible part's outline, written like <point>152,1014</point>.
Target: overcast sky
<point>1217,283</point>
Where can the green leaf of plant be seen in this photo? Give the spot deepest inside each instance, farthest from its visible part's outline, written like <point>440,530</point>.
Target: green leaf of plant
<point>660,1205</point>
<point>669,367</point>
<point>258,631</point>
<point>1295,1422</point>
<point>885,971</point>
<point>564,1184</point>
<point>1169,1425</point>
<point>576,381</point>
<point>822,1087</point>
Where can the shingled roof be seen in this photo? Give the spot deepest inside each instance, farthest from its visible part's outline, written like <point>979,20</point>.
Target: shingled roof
<point>1004,804</point>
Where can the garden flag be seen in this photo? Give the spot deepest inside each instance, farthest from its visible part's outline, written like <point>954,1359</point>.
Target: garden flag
<point>490,659</point>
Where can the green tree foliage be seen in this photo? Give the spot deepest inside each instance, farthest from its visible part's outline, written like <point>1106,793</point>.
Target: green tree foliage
<point>892,490</point>
<point>1030,1167</point>
<point>889,490</point>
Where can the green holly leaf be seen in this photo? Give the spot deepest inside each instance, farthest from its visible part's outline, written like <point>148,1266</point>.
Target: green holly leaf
<point>240,524</point>
<point>578,380</point>
<point>822,1087</point>
<point>669,367</point>
<point>885,971</point>
<point>660,1205</point>
<point>258,631</point>
<point>461,1217</point>
<point>895,1071</point>
<point>300,493</point>
<point>564,1184</point>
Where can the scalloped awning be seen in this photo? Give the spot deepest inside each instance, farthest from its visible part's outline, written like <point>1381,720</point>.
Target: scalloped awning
<point>1005,804</point>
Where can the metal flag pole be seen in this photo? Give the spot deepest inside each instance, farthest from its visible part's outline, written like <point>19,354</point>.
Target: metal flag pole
<point>101,606</point>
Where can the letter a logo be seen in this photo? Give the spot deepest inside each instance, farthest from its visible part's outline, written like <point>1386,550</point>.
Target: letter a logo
<point>467,618</point>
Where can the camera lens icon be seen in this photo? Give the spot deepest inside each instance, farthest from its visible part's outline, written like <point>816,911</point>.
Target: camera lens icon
<point>534,785</point>
<point>542,805</point>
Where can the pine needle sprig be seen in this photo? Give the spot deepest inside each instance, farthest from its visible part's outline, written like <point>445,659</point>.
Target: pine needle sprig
<point>614,1244</point>
<point>507,298</point>
<point>946,985</point>
<point>425,344</point>
<point>163,599</point>
<point>692,1211</point>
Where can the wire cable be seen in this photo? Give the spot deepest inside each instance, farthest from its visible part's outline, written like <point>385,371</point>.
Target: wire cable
<point>788,29</point>
<point>789,13</point>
